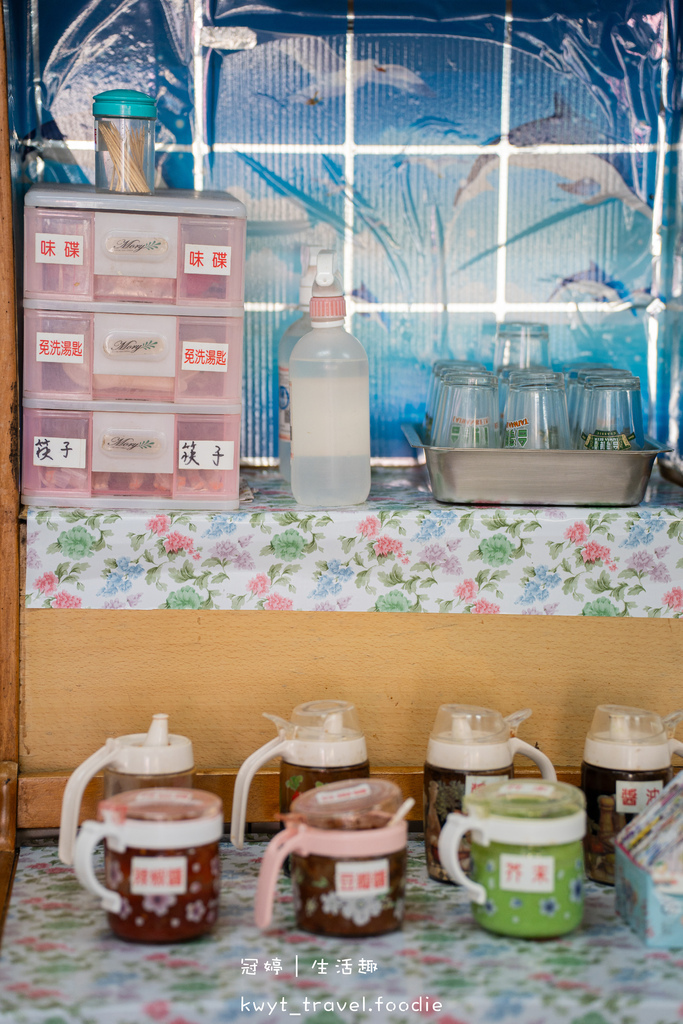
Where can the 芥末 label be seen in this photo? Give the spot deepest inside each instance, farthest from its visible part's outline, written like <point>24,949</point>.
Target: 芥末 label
<point>357,878</point>
<point>204,355</point>
<point>634,797</point>
<point>347,793</point>
<point>206,454</point>
<point>522,872</point>
<point>150,875</point>
<point>59,249</point>
<point>207,259</point>
<point>59,451</point>
<point>59,348</point>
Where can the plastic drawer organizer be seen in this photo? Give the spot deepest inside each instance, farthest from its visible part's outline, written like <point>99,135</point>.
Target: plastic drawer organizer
<point>138,455</point>
<point>131,355</point>
<point>133,322</point>
<point>173,248</point>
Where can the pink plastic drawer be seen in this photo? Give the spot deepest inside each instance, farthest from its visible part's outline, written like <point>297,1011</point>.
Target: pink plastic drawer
<point>135,257</point>
<point>56,455</point>
<point>58,253</point>
<point>137,457</point>
<point>57,354</point>
<point>211,260</point>
<point>132,357</point>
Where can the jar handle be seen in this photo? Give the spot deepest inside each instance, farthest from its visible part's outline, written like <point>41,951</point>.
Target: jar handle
<point>243,782</point>
<point>284,843</point>
<point>89,836</point>
<point>73,794</point>
<point>537,756</point>
<point>449,842</point>
<point>675,747</point>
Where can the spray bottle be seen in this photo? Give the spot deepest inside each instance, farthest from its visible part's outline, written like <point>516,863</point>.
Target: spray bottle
<point>330,402</point>
<point>288,340</point>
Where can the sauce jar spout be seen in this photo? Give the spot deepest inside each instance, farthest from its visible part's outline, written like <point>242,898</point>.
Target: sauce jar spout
<point>516,718</point>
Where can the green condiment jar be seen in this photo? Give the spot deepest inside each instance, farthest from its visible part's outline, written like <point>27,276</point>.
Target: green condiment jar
<point>527,856</point>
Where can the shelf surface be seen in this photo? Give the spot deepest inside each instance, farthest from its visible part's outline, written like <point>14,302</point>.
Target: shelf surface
<point>399,552</point>
<point>59,961</point>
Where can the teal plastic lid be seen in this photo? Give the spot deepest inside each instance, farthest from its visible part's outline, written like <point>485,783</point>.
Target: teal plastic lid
<point>124,103</point>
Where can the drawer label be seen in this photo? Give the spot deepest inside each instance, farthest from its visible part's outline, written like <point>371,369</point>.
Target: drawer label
<point>59,451</point>
<point>206,454</point>
<point>126,346</point>
<point>59,348</point>
<point>204,355</point>
<point>358,878</point>
<point>150,875</point>
<point>136,245</point>
<point>136,442</point>
<point>59,249</point>
<point>207,259</point>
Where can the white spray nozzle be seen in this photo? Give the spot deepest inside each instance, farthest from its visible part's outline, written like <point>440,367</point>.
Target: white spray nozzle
<point>619,727</point>
<point>516,718</point>
<point>327,264</point>
<point>157,735</point>
<point>461,728</point>
<point>334,723</point>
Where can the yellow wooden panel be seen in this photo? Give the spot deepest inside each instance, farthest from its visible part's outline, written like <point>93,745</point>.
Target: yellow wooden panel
<point>92,674</point>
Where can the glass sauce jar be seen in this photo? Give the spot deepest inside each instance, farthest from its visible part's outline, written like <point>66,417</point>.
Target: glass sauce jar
<point>162,863</point>
<point>323,743</point>
<point>348,865</point>
<point>626,764</point>
<point>469,747</point>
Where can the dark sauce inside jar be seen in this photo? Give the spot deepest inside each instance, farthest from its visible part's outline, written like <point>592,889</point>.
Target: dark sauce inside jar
<point>604,821</point>
<point>444,790</point>
<point>296,779</point>
<point>158,916</point>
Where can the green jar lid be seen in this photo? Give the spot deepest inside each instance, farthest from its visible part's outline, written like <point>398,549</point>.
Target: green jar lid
<point>123,103</point>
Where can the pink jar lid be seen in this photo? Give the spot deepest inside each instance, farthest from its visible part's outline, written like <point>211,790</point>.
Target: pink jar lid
<point>351,804</point>
<point>176,805</point>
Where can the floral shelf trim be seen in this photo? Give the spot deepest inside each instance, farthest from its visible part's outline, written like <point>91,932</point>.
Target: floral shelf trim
<point>384,558</point>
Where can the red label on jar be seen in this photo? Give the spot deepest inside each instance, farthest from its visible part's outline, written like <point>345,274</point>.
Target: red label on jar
<point>149,875</point>
<point>348,793</point>
<point>356,878</point>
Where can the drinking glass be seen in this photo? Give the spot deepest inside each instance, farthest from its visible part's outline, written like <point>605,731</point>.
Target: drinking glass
<point>536,411</point>
<point>504,386</point>
<point>467,414</point>
<point>521,345</point>
<point>440,367</point>
<point>612,415</point>
<point>579,402</point>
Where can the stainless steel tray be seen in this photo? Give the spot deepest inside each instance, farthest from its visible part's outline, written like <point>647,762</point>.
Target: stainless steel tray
<point>510,477</point>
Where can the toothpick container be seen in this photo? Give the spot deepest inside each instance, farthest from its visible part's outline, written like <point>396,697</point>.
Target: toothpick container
<point>124,141</point>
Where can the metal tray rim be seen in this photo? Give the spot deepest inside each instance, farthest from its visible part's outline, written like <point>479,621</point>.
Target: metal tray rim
<point>411,432</point>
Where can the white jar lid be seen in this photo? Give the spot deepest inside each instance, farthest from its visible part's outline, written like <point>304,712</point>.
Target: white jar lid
<point>470,738</point>
<point>156,752</point>
<point>629,739</point>
<point>323,734</point>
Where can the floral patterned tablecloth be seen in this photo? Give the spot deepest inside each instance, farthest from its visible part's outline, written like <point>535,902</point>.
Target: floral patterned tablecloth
<point>399,552</point>
<point>61,965</point>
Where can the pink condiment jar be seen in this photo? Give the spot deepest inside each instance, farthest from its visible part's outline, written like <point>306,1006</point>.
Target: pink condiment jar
<point>348,866</point>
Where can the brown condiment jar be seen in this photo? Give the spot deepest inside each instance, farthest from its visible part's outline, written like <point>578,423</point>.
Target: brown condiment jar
<point>626,764</point>
<point>162,863</point>
<point>323,743</point>
<point>348,865</point>
<point>469,747</point>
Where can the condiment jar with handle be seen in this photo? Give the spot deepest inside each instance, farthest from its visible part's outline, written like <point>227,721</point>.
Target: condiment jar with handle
<point>161,862</point>
<point>469,747</point>
<point>136,761</point>
<point>526,850</point>
<point>626,764</point>
<point>322,743</point>
<point>348,860</point>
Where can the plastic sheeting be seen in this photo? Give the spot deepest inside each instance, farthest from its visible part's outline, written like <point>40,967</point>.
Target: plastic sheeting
<point>469,162</point>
